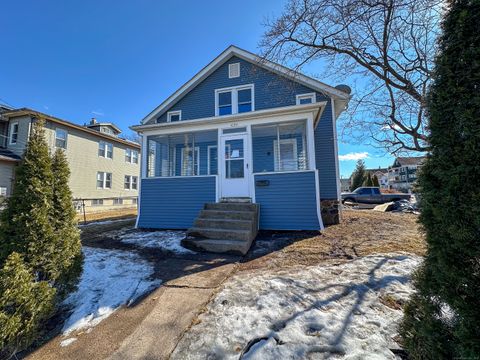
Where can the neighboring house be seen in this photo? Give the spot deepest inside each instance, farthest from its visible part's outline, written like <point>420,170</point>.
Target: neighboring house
<point>243,128</point>
<point>402,175</point>
<point>8,159</point>
<point>382,176</point>
<point>104,168</point>
<point>345,185</point>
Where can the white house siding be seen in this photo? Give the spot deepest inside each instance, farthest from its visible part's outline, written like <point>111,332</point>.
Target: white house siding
<point>7,169</point>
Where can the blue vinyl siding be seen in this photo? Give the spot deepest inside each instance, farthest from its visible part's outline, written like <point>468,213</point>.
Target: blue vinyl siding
<point>174,203</point>
<point>271,91</point>
<point>325,155</point>
<point>288,202</point>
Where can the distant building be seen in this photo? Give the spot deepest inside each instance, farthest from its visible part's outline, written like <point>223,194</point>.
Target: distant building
<point>402,175</point>
<point>382,176</point>
<point>345,185</point>
<point>104,168</point>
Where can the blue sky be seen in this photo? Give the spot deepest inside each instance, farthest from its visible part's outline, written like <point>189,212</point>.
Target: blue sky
<point>117,60</point>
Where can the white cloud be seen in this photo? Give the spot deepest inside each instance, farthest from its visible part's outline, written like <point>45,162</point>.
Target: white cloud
<point>354,156</point>
<point>45,107</point>
<point>98,113</point>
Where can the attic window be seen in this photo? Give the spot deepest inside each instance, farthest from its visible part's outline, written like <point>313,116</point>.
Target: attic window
<point>173,116</point>
<point>234,70</point>
<point>309,98</point>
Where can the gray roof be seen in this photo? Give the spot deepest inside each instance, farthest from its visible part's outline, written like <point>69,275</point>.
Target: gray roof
<point>405,161</point>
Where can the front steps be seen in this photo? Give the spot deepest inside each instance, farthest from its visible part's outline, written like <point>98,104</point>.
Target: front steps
<point>229,226</point>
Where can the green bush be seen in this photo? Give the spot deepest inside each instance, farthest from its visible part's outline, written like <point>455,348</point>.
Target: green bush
<point>24,304</point>
<point>442,319</point>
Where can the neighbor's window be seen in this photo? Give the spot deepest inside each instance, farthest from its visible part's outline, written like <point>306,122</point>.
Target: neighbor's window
<point>105,149</point>
<point>135,156</point>
<point>134,182</point>
<point>60,138</point>
<point>173,116</point>
<point>118,201</point>
<point>309,98</point>
<point>104,180</point>
<point>97,202</point>
<point>280,147</point>
<point>127,182</point>
<point>13,133</point>
<point>234,100</point>
<point>128,155</point>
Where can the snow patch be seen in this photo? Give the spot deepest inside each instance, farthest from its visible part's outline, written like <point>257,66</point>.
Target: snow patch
<point>110,278</point>
<point>165,240</point>
<point>67,342</point>
<point>316,312</point>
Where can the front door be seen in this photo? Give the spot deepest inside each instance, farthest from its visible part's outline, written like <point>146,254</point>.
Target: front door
<point>234,167</point>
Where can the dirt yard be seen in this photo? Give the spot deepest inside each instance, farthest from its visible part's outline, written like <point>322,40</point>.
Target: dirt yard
<point>361,233</point>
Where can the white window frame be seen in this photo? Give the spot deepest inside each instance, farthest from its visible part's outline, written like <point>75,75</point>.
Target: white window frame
<point>312,96</point>
<point>136,182</point>
<point>209,147</point>
<point>10,137</point>
<point>231,68</point>
<point>128,154</point>
<point>172,113</point>
<point>66,137</point>
<point>104,180</point>
<point>234,90</point>
<point>276,147</point>
<point>196,152</point>
<point>135,156</point>
<point>105,149</point>
<point>129,177</point>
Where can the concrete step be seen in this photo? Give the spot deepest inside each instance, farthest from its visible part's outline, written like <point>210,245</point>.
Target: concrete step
<point>222,214</point>
<point>236,200</point>
<point>217,245</point>
<point>227,234</point>
<point>230,224</point>
<point>232,206</point>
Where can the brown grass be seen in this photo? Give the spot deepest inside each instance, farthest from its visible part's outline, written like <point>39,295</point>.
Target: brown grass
<point>108,214</point>
<point>360,233</point>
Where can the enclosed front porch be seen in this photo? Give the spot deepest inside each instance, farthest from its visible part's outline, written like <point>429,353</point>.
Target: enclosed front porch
<point>272,163</point>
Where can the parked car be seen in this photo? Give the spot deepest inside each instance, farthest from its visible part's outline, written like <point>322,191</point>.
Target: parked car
<point>372,195</point>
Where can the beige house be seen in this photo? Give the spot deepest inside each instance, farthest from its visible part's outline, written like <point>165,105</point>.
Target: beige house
<point>104,168</point>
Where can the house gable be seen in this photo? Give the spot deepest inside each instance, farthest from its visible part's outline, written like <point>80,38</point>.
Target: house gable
<point>271,90</point>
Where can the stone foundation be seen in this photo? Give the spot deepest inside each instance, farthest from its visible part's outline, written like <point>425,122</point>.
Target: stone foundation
<point>330,211</point>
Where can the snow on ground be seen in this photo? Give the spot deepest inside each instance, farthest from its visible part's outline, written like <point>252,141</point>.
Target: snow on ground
<point>110,278</point>
<point>165,240</point>
<point>317,312</point>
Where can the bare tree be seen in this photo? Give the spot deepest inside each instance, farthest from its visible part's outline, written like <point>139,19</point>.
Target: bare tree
<point>388,46</point>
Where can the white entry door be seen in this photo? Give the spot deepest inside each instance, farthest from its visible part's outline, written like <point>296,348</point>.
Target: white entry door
<point>234,167</point>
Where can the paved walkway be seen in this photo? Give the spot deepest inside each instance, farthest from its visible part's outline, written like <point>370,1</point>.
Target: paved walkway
<point>151,328</point>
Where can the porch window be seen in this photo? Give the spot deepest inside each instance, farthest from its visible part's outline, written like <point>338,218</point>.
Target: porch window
<point>280,147</point>
<point>187,154</point>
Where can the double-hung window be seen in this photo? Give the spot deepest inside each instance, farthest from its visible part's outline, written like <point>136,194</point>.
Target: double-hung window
<point>13,133</point>
<point>60,138</point>
<point>135,156</point>
<point>128,155</point>
<point>130,183</point>
<point>234,100</point>
<point>104,180</point>
<point>105,150</point>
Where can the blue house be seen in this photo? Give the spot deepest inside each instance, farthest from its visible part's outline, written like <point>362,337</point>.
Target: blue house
<point>247,129</point>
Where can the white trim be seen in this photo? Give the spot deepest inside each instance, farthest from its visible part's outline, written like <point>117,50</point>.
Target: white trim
<point>250,165</point>
<point>317,196</point>
<point>171,113</point>
<point>283,172</point>
<point>234,91</point>
<point>177,177</point>
<point>277,156</point>
<point>104,180</point>
<point>196,153</point>
<point>10,135</point>
<point>246,160</point>
<point>231,69</point>
<point>208,158</point>
<point>248,56</point>
<point>288,113</point>
<point>312,96</point>
<point>105,149</point>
